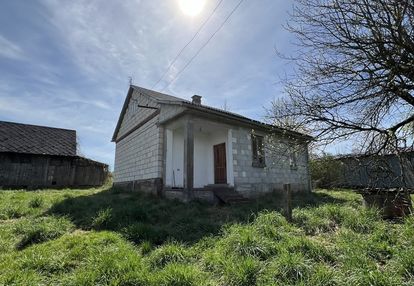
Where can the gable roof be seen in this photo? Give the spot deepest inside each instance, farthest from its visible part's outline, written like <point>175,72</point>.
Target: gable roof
<point>34,139</point>
<point>169,99</point>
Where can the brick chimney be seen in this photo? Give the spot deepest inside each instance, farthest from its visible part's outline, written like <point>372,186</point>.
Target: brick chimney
<point>196,99</point>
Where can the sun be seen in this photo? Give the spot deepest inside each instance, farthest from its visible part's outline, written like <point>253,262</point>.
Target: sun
<point>192,7</point>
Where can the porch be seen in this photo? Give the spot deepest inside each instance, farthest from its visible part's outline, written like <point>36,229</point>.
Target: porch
<point>198,155</point>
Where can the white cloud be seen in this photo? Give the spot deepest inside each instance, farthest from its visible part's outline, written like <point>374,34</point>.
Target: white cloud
<point>9,49</point>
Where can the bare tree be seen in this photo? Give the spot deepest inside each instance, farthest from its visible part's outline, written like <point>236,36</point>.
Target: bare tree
<point>354,73</point>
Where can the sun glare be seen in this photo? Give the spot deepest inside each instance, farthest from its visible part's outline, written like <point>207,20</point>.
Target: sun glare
<point>192,7</point>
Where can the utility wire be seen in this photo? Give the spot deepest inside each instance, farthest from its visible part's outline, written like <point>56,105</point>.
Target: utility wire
<point>204,45</point>
<point>188,43</point>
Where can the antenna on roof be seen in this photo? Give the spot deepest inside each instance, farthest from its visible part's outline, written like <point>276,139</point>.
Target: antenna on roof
<point>130,80</point>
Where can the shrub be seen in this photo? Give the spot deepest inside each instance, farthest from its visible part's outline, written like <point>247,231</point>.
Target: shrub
<point>326,172</point>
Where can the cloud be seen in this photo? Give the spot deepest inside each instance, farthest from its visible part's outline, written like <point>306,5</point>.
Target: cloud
<point>10,50</point>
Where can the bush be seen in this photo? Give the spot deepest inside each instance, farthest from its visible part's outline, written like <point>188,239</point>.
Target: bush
<point>326,172</point>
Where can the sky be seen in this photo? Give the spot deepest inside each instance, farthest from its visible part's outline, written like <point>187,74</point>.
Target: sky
<point>68,64</point>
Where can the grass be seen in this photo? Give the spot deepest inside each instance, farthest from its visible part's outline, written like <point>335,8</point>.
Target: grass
<point>106,237</point>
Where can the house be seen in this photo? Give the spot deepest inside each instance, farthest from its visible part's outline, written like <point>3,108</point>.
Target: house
<point>184,149</point>
<point>34,156</point>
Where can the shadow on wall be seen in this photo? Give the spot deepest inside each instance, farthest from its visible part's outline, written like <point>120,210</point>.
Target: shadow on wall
<point>140,217</point>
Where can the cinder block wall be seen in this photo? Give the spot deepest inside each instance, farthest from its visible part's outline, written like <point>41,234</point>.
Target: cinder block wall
<point>139,155</point>
<point>252,181</point>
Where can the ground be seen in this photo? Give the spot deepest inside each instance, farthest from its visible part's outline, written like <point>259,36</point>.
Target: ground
<point>105,237</point>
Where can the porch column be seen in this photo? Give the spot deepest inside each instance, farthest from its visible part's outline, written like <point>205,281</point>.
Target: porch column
<point>188,157</point>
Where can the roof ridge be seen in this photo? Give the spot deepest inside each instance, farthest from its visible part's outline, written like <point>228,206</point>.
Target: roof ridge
<point>34,125</point>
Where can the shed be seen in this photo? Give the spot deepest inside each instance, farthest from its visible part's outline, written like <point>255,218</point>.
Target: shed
<point>34,156</point>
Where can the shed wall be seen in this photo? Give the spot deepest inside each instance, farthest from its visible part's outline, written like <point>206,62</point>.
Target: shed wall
<point>44,171</point>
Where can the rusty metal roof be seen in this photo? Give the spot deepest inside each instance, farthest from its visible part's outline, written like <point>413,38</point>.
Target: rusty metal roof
<point>34,139</point>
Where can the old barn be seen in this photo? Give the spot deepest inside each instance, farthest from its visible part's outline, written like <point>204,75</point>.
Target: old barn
<point>34,156</point>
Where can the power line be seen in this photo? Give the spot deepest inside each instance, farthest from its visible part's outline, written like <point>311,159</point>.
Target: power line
<point>187,44</point>
<point>204,45</point>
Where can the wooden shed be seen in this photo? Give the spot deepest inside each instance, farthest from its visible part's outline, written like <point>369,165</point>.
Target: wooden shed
<point>34,156</point>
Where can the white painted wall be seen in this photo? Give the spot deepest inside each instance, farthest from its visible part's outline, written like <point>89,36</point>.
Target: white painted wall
<point>177,159</point>
<point>203,160</point>
<point>204,140</point>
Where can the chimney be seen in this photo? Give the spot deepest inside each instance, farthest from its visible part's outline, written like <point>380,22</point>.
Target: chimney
<point>196,99</point>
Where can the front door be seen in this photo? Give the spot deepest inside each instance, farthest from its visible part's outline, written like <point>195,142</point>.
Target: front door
<point>220,171</point>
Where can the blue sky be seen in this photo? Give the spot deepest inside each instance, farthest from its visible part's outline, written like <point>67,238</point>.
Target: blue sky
<point>67,63</point>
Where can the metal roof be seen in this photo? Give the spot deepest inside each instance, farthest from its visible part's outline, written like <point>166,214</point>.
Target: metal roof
<point>34,139</point>
<point>169,99</point>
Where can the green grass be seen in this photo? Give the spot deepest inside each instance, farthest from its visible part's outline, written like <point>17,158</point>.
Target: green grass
<point>106,237</point>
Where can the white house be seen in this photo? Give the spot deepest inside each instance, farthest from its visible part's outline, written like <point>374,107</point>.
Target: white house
<point>183,149</point>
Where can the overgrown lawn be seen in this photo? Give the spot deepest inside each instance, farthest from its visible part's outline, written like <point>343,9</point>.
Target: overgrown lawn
<point>105,237</point>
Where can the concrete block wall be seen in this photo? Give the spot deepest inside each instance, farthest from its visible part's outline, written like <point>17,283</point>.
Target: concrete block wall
<point>139,155</point>
<point>134,114</point>
<point>253,181</point>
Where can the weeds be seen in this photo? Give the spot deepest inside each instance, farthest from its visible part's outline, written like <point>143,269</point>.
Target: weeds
<point>94,237</point>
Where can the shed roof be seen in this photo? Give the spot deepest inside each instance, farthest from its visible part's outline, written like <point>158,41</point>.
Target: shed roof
<point>34,139</point>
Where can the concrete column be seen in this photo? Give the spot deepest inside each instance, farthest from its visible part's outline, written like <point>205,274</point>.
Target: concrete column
<point>229,152</point>
<point>188,157</point>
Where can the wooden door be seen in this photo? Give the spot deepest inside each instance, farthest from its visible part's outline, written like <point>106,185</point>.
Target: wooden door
<point>220,171</point>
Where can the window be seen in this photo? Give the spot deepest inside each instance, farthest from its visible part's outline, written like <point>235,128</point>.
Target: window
<point>293,160</point>
<point>258,151</point>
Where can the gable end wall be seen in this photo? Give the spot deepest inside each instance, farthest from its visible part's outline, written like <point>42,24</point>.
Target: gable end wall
<point>138,156</point>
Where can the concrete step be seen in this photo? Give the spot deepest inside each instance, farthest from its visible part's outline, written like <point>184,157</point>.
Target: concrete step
<point>228,195</point>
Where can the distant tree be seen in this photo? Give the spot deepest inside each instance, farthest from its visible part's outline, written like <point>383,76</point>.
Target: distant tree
<point>353,75</point>
<point>326,171</point>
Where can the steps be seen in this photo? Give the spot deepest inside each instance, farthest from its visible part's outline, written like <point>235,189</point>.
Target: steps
<point>227,194</point>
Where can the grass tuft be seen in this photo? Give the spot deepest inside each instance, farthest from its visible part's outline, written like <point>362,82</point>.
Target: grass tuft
<point>40,230</point>
<point>36,202</point>
<point>105,237</point>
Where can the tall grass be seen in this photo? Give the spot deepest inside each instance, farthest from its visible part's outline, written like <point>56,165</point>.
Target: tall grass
<point>94,237</point>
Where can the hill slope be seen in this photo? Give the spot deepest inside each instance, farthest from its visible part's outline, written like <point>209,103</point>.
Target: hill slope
<point>102,237</point>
